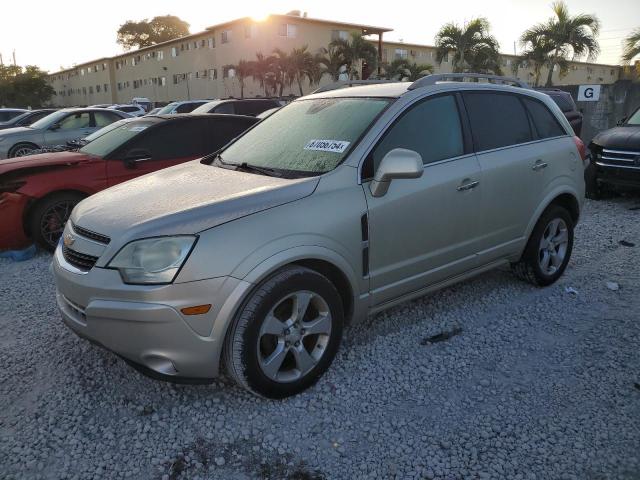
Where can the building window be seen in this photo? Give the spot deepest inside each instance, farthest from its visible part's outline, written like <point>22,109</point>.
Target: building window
<point>213,74</point>
<point>250,31</point>
<point>401,53</point>
<point>104,66</point>
<point>288,30</point>
<point>98,88</point>
<point>163,81</point>
<point>84,90</point>
<point>195,45</point>
<point>160,55</point>
<point>212,42</point>
<point>106,87</point>
<point>91,90</point>
<point>82,72</point>
<point>225,36</point>
<point>174,52</point>
<point>228,72</point>
<point>445,58</point>
<point>339,35</point>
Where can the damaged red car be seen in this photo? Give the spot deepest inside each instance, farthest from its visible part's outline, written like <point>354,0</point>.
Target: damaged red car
<point>38,192</point>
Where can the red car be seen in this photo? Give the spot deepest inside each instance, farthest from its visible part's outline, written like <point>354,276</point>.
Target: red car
<point>38,192</point>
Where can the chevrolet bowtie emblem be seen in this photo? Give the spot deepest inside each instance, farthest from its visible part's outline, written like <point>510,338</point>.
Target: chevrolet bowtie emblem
<point>69,240</point>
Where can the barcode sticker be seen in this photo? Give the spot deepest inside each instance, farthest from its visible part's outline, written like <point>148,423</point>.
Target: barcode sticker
<point>335,146</point>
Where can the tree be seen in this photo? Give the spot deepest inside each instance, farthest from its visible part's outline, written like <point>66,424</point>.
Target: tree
<point>331,62</point>
<point>24,87</point>
<point>401,69</point>
<point>631,46</point>
<point>150,32</point>
<point>474,49</point>
<point>262,71</point>
<point>536,54</point>
<point>354,51</point>
<point>282,70</point>
<point>567,36</point>
<point>302,64</point>
<point>242,71</point>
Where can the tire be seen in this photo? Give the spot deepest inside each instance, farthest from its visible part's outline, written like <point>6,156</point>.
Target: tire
<point>49,216</point>
<point>538,265</point>
<point>22,149</point>
<point>268,348</point>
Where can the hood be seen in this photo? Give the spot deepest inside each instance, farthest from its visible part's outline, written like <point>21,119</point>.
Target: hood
<point>40,162</point>
<point>624,138</point>
<point>184,199</point>
<point>16,131</point>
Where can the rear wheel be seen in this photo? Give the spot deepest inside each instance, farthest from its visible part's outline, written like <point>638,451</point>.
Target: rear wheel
<point>49,216</point>
<point>22,149</point>
<point>286,335</point>
<point>549,248</point>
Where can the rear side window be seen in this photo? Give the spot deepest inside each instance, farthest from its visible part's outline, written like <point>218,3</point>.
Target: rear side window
<point>222,131</point>
<point>431,128</point>
<point>253,107</point>
<point>544,121</point>
<point>187,107</point>
<point>497,120</point>
<point>102,119</point>
<point>227,107</point>
<point>565,102</point>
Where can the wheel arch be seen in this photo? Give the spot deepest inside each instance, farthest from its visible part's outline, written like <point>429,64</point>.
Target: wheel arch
<point>21,143</point>
<point>28,212</point>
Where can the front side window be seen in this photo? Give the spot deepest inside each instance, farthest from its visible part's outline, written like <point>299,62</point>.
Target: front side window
<point>75,121</point>
<point>545,123</point>
<point>103,144</point>
<point>314,136</point>
<point>497,120</point>
<point>102,119</point>
<point>431,128</point>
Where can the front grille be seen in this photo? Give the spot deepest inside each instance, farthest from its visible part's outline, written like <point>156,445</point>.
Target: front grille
<point>619,158</point>
<point>81,261</point>
<point>91,235</point>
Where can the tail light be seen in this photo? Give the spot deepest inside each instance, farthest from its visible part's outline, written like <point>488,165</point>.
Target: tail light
<point>582,150</point>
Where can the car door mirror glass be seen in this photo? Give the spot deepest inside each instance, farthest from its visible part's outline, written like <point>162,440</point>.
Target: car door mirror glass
<point>396,164</point>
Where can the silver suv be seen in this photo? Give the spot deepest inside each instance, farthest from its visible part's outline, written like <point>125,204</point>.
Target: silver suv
<point>341,204</point>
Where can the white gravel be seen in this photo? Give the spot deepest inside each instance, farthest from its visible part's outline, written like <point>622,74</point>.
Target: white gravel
<point>532,384</point>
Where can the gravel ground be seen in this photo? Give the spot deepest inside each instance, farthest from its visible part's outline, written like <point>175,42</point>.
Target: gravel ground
<point>524,383</point>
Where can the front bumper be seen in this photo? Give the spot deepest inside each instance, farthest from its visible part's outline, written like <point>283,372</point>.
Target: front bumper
<point>12,209</point>
<point>618,175</point>
<point>144,324</point>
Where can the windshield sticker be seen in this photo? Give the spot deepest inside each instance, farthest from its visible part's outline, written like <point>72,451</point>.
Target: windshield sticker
<point>138,128</point>
<point>335,146</point>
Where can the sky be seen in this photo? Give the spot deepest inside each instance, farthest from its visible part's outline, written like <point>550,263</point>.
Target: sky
<point>60,34</point>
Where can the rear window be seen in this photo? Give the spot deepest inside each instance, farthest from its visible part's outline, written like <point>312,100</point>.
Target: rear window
<point>544,121</point>
<point>565,102</point>
<point>497,120</point>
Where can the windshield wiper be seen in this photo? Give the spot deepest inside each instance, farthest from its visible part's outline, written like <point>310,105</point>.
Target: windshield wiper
<point>271,172</point>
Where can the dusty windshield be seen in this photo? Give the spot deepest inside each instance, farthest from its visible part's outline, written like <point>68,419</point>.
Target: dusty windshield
<point>309,136</point>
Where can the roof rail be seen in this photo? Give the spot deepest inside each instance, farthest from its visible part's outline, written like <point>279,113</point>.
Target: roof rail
<point>444,77</point>
<point>349,83</point>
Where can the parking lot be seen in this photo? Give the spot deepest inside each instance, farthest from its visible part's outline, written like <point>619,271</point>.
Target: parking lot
<point>491,378</point>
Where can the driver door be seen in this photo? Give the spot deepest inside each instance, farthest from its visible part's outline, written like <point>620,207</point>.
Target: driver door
<point>74,126</point>
<point>424,230</point>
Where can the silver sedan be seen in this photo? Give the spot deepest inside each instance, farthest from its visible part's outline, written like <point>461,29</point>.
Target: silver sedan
<point>55,129</point>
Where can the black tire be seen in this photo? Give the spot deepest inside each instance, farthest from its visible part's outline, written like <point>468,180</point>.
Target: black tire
<point>529,268</point>
<point>243,351</point>
<point>48,217</point>
<point>20,149</point>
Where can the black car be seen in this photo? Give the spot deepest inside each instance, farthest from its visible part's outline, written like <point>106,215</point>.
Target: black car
<point>565,101</point>
<point>239,106</point>
<point>27,118</point>
<point>616,157</point>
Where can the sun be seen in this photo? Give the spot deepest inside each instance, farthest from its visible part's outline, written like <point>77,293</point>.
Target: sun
<point>260,15</point>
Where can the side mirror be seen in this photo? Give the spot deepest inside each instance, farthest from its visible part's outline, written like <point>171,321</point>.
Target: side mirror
<point>54,127</point>
<point>398,163</point>
<point>135,156</point>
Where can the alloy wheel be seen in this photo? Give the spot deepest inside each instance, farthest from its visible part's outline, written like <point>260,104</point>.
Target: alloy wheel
<point>53,221</point>
<point>552,249</point>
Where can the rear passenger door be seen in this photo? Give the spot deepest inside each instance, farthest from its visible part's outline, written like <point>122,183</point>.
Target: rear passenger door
<point>424,230</point>
<point>503,140</point>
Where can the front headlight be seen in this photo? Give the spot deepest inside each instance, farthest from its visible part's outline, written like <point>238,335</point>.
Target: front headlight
<point>152,260</point>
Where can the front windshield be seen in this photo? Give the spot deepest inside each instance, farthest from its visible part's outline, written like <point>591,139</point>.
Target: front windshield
<point>634,119</point>
<point>168,109</point>
<point>311,136</point>
<point>106,143</point>
<point>49,120</point>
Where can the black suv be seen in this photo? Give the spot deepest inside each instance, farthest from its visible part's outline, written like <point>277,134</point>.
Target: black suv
<point>616,157</point>
<point>565,101</point>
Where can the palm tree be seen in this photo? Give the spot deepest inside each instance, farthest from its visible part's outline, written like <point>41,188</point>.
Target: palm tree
<point>402,69</point>
<point>331,61</point>
<point>303,65</point>
<point>631,46</point>
<point>473,47</point>
<point>355,50</point>
<point>567,36</point>
<point>243,70</point>
<point>536,54</point>
<point>262,70</point>
<point>282,70</point>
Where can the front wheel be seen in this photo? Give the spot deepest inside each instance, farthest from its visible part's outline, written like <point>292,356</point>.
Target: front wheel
<point>286,335</point>
<point>22,150</point>
<point>549,248</point>
<point>49,216</point>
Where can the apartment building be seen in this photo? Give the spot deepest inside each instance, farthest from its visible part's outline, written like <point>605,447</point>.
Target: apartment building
<point>197,66</point>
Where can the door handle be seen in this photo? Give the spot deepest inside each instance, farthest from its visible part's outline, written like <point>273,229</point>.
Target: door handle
<point>539,165</point>
<point>468,186</point>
